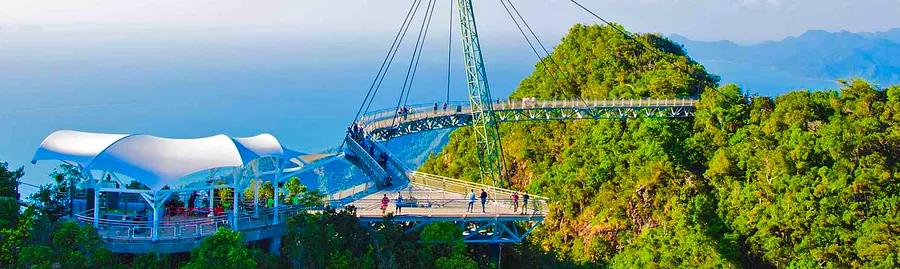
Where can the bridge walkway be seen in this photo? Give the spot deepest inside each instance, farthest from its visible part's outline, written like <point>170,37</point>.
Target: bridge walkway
<point>388,123</point>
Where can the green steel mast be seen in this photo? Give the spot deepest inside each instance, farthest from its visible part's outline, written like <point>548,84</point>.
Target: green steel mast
<point>487,134</point>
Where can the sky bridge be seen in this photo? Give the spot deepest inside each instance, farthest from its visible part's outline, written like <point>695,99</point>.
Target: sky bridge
<point>147,223</point>
<point>390,123</point>
<point>151,194</point>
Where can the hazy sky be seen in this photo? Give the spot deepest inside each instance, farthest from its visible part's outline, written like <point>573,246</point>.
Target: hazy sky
<point>738,20</point>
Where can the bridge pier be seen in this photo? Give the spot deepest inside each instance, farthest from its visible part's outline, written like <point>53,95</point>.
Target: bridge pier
<point>275,246</point>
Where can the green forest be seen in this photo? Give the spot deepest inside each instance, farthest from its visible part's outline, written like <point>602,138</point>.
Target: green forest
<point>808,179</point>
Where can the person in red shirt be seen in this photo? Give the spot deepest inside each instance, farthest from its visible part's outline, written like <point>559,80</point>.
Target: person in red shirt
<point>384,203</point>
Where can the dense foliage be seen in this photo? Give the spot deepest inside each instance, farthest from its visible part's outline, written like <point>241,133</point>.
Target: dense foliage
<point>806,179</point>
<point>335,239</point>
<point>224,249</point>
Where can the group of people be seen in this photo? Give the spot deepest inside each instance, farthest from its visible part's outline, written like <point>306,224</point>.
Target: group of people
<point>483,196</point>
<point>356,132</point>
<point>398,202</point>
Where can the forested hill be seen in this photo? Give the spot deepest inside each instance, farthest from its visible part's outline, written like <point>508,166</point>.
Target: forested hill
<point>807,179</point>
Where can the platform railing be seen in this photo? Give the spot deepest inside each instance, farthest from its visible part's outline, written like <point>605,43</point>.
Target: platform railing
<point>128,230</point>
<point>459,207</point>
<point>354,192</point>
<point>495,194</point>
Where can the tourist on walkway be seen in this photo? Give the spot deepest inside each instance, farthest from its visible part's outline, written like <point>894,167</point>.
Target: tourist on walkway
<point>483,200</point>
<point>515,198</point>
<point>471,199</point>
<point>384,203</point>
<point>525,202</point>
<point>399,203</point>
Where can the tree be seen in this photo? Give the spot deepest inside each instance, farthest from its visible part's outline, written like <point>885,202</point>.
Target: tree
<point>9,181</point>
<point>332,239</point>
<point>443,241</point>
<point>224,249</point>
<point>13,238</point>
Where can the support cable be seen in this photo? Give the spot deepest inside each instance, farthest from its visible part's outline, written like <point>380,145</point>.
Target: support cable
<point>549,56</point>
<point>414,60</point>
<point>449,51</point>
<point>384,62</point>
<point>378,86</point>
<point>528,40</point>
<point>648,48</point>
<point>418,56</point>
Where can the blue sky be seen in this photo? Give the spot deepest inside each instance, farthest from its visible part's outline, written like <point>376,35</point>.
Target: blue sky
<point>739,20</point>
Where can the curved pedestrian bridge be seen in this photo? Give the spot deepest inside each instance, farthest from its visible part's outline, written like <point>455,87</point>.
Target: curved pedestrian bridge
<point>390,123</point>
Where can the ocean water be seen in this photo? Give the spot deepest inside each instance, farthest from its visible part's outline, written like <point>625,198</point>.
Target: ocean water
<point>303,90</point>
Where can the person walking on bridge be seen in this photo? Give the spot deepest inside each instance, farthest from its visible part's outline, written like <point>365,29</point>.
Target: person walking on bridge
<point>515,198</point>
<point>484,197</point>
<point>384,203</point>
<point>399,204</point>
<point>471,199</point>
<point>525,202</point>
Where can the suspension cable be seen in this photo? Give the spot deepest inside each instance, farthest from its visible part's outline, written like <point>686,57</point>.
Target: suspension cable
<point>394,54</point>
<point>422,37</point>
<point>413,64</point>
<point>385,61</point>
<point>566,76</point>
<point>528,40</point>
<point>651,49</point>
<point>449,51</point>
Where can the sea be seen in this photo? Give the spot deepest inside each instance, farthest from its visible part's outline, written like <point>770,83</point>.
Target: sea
<point>303,89</point>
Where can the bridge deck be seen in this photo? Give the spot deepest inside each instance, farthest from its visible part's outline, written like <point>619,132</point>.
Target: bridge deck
<point>387,124</point>
<point>424,202</point>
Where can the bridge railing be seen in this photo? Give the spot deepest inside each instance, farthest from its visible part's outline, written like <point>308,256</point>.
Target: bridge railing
<point>415,206</point>
<point>128,230</point>
<point>354,192</point>
<point>388,117</point>
<point>367,159</point>
<point>495,194</point>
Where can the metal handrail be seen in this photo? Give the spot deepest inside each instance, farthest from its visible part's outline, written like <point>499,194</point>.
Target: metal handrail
<point>535,207</point>
<point>184,229</point>
<point>365,157</point>
<point>427,109</point>
<point>432,181</point>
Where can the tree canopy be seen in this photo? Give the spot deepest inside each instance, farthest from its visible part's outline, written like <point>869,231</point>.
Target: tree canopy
<point>807,178</point>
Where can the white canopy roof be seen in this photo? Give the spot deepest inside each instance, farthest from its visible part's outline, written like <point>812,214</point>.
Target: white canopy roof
<point>74,146</point>
<point>156,161</point>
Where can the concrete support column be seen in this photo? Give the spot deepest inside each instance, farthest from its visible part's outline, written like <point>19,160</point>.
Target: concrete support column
<point>275,246</point>
<point>212,199</point>
<point>154,232</point>
<point>256,198</point>
<point>96,207</point>
<point>236,201</point>
<point>276,190</point>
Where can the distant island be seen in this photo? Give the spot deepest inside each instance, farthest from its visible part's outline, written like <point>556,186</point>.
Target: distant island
<point>812,60</point>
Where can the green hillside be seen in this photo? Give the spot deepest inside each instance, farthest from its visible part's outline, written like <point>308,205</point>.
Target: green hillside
<point>805,179</point>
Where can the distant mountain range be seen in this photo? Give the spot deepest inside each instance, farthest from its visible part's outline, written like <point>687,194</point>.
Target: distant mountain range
<point>813,60</point>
